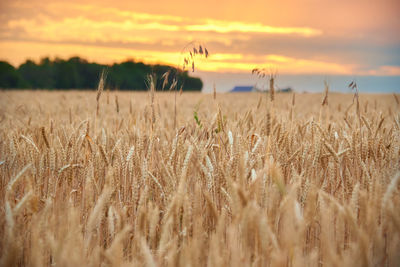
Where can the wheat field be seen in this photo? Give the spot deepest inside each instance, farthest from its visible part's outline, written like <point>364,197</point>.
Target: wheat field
<point>240,181</point>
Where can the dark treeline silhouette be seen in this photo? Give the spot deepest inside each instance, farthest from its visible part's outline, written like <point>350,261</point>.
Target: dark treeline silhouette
<point>78,73</point>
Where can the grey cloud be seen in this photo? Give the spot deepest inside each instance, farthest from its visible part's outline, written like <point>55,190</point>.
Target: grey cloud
<point>339,50</point>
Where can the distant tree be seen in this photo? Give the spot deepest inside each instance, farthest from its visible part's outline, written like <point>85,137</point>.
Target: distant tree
<point>9,77</point>
<point>66,75</point>
<point>89,73</point>
<point>129,75</point>
<point>78,73</point>
<point>191,83</point>
<point>38,75</point>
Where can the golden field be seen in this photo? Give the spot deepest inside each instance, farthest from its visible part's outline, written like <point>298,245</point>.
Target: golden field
<point>240,181</point>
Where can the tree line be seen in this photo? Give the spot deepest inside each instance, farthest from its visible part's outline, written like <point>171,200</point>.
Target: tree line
<point>78,73</point>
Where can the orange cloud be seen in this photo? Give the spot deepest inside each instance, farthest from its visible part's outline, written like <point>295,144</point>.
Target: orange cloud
<point>235,26</point>
<point>107,34</point>
<point>128,26</point>
<point>385,70</point>
<point>17,52</point>
<point>288,65</point>
<point>219,62</point>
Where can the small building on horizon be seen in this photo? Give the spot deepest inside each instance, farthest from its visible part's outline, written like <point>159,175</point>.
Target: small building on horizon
<point>243,89</point>
<point>249,89</point>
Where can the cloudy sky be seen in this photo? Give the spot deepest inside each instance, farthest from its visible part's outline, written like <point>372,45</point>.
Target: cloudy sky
<point>308,37</point>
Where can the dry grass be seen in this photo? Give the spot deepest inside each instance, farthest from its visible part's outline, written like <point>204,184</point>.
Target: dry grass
<point>312,186</point>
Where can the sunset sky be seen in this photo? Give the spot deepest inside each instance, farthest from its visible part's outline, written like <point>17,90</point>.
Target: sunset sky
<point>309,37</point>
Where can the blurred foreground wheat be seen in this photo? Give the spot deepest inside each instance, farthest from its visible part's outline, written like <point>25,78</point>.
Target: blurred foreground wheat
<point>235,184</point>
